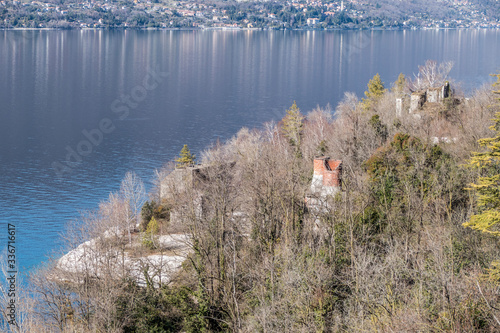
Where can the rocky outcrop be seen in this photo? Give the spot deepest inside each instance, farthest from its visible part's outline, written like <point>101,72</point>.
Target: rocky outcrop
<point>93,259</point>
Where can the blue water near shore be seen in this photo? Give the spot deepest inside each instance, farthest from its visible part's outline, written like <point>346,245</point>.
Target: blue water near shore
<point>58,87</point>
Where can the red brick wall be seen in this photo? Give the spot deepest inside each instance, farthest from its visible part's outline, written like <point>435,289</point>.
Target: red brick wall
<point>331,174</point>
<point>319,166</point>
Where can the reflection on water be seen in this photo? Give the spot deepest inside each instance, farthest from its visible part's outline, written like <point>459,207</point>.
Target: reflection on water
<point>55,85</point>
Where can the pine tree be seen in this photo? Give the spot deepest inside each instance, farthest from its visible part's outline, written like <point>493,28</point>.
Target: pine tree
<point>375,91</point>
<point>400,84</point>
<point>185,158</point>
<point>487,188</point>
<point>150,235</point>
<point>292,125</point>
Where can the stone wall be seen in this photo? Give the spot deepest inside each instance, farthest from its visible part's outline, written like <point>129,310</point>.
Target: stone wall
<point>418,99</point>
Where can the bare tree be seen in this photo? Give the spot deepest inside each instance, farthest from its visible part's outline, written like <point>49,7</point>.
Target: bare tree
<point>317,129</point>
<point>159,188</point>
<point>430,75</point>
<point>132,190</point>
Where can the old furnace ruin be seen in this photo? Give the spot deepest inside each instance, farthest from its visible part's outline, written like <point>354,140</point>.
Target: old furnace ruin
<point>327,176</point>
<point>424,99</point>
<point>326,182</point>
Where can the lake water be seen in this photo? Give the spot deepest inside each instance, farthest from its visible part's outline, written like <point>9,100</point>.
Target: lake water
<point>112,101</point>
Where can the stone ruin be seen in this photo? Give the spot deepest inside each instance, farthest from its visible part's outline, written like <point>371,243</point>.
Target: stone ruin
<point>327,176</point>
<point>422,98</point>
<point>326,181</point>
<point>191,181</point>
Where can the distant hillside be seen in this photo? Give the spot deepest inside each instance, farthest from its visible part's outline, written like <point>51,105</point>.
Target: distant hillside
<point>278,14</point>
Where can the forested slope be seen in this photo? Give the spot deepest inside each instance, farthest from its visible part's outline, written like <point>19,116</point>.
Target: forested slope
<point>387,253</point>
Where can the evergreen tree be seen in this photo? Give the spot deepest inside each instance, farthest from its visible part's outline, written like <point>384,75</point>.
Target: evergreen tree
<point>150,235</point>
<point>487,188</point>
<point>185,158</point>
<point>400,84</point>
<point>292,125</point>
<point>375,90</point>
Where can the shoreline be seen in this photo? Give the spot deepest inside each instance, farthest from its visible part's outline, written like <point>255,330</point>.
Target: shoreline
<point>241,28</point>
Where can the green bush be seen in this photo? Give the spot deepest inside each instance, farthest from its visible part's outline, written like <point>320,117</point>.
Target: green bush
<point>150,235</point>
<point>152,209</point>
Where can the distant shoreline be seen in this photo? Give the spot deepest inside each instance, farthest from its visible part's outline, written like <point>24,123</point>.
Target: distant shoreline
<point>246,29</point>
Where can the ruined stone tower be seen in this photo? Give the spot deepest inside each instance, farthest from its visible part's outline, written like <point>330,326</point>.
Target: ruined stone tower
<point>327,176</point>
<point>326,181</point>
